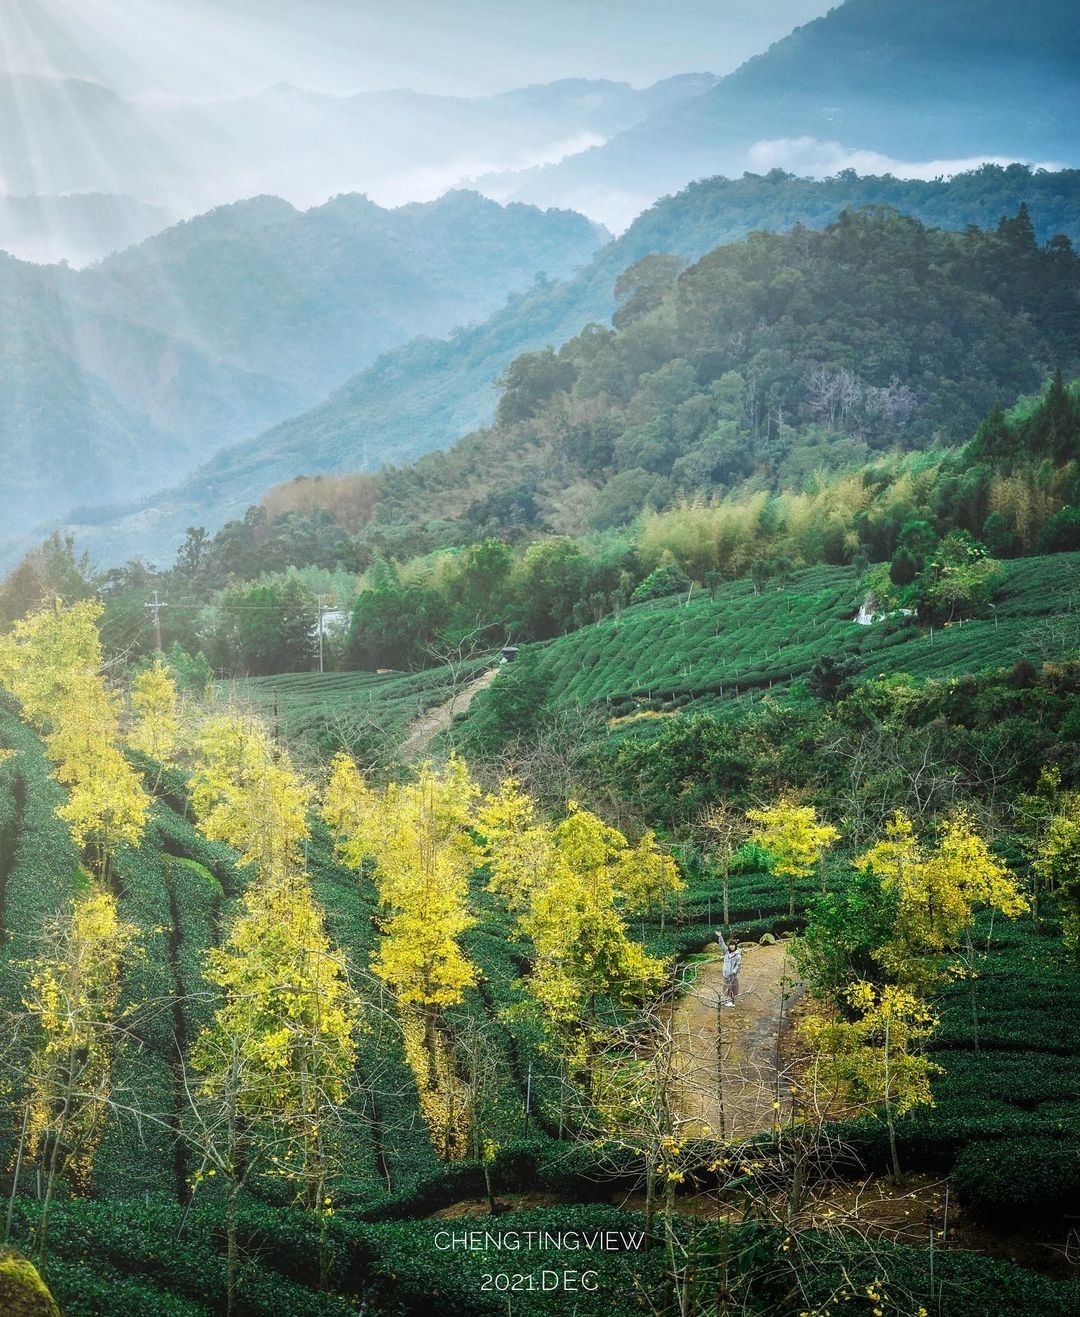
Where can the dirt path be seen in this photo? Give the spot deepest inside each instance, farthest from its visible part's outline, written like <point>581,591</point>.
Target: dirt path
<point>741,1104</point>
<point>424,730</point>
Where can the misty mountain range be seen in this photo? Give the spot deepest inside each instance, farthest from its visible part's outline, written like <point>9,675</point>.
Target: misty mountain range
<point>67,144</point>
<point>905,80</point>
<point>146,364</point>
<point>428,392</point>
<point>258,341</point>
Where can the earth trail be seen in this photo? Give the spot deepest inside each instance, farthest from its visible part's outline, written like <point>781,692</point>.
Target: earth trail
<point>731,1095</point>
<point>424,730</point>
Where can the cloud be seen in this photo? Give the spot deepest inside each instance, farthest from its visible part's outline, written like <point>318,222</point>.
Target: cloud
<point>812,157</point>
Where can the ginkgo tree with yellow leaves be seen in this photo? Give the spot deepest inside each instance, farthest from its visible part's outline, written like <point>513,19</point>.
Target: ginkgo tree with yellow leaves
<point>246,793</point>
<point>937,890</point>
<point>1057,862</point>
<point>44,650</point>
<point>278,1058</point>
<point>156,708</point>
<point>418,838</point>
<point>571,885</point>
<point>71,1002</point>
<point>52,662</point>
<point>795,837</point>
<point>875,1059</point>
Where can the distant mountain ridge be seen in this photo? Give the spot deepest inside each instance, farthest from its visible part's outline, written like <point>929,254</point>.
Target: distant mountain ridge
<point>79,227</point>
<point>65,136</point>
<point>913,80</point>
<point>124,376</point>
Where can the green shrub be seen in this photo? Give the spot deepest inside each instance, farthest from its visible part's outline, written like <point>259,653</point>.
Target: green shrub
<point>1017,1179</point>
<point>663,581</point>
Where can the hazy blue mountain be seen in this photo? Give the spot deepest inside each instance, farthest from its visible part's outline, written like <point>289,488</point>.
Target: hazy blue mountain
<point>310,297</point>
<point>62,135</point>
<point>427,393</point>
<point>914,80</point>
<point>122,377</point>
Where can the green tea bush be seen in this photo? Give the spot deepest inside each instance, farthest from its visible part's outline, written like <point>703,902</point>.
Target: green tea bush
<point>1022,1078</point>
<point>139,1254</point>
<point>1016,1179</point>
<point>966,1284</point>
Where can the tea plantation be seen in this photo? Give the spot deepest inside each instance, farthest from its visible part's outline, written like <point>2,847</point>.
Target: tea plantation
<point>673,653</point>
<point>1006,1115</point>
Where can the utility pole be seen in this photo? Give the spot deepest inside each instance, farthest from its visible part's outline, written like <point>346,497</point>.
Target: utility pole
<point>156,608</point>
<point>320,600</point>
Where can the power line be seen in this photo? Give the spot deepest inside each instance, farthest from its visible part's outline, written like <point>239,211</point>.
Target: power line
<point>156,608</point>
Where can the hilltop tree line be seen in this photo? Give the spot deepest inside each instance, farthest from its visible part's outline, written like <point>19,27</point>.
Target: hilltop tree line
<point>936,523</point>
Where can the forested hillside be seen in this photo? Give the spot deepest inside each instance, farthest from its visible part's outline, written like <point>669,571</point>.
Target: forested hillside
<point>426,394</point>
<point>123,376</point>
<point>766,362</point>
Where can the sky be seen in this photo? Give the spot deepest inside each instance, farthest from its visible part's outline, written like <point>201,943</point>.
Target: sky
<point>212,48</point>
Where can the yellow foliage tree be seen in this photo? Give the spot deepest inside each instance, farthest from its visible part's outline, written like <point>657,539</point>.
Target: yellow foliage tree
<point>72,996</point>
<point>795,837</point>
<point>936,891</point>
<point>419,838</point>
<point>277,1059</point>
<point>876,1059</point>
<point>582,950</point>
<point>106,803</point>
<point>351,808</point>
<point>52,663</point>
<point>1057,862</point>
<point>247,794</point>
<point>645,877</point>
<point>518,845</point>
<point>292,1015</point>
<point>154,702</point>
<point>44,651</point>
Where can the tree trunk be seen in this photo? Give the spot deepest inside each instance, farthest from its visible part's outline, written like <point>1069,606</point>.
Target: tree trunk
<point>232,1251</point>
<point>50,1178</point>
<point>15,1173</point>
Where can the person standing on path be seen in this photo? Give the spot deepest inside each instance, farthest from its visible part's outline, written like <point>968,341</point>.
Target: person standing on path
<point>732,965</point>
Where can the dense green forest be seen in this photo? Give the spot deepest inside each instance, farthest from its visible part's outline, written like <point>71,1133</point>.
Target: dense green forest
<point>430,391</point>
